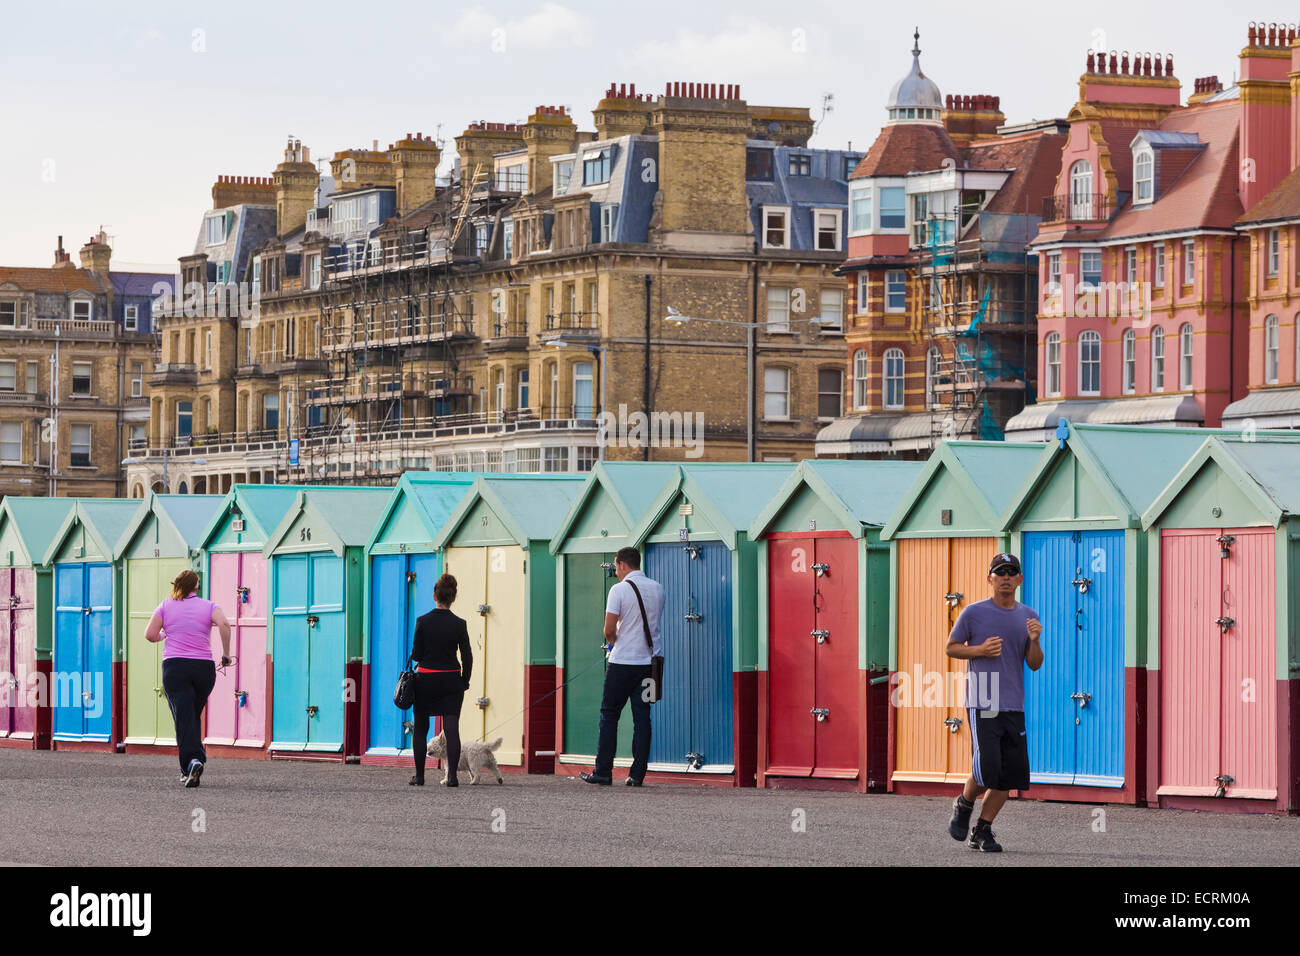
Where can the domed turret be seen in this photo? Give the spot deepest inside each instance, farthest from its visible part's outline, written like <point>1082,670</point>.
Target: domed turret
<point>915,98</point>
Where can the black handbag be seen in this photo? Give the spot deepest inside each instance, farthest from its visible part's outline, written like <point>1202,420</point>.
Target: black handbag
<point>656,662</point>
<point>404,695</point>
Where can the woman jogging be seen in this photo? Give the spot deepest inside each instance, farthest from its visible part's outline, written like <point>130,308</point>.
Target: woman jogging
<point>185,622</point>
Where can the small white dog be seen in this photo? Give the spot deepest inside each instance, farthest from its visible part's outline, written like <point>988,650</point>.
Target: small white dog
<point>475,756</point>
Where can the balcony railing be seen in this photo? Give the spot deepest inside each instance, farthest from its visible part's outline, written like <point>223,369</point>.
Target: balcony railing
<point>571,321</point>
<point>1086,207</point>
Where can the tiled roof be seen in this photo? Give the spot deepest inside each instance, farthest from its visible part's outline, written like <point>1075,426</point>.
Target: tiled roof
<point>1205,195</point>
<point>1282,202</point>
<point>52,280</point>
<point>905,148</point>
<point>1035,160</point>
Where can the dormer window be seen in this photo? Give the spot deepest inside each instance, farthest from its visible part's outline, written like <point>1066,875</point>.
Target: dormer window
<point>800,164</point>
<point>776,228</point>
<point>1144,176</point>
<point>758,164</point>
<point>214,229</point>
<point>563,173</point>
<point>82,310</point>
<point>595,168</point>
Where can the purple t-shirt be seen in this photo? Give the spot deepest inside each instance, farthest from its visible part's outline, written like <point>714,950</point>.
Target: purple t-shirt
<point>187,625</point>
<point>995,683</point>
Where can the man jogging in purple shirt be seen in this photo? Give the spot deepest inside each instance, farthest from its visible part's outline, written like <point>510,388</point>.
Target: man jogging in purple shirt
<point>995,636</point>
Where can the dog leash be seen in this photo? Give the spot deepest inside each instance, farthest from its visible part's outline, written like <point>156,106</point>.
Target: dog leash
<point>487,734</point>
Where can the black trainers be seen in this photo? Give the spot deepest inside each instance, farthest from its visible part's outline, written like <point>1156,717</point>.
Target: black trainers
<point>196,771</point>
<point>416,781</point>
<point>959,825</point>
<point>981,838</point>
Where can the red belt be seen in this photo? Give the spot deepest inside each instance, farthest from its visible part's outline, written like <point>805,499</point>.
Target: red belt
<point>426,670</point>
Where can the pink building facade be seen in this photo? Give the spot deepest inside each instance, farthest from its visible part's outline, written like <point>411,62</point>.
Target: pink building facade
<point>1147,312</point>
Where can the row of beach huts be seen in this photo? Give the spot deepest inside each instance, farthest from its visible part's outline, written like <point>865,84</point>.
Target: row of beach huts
<point>808,606</point>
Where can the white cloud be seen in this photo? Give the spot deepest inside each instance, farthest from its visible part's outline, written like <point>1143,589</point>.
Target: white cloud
<point>550,26</point>
<point>744,49</point>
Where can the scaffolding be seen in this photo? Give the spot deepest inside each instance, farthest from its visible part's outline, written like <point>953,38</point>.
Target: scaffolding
<point>978,290</point>
<point>396,320</point>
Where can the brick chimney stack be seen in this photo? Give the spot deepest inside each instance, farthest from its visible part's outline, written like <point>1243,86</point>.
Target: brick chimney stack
<point>96,253</point>
<point>295,182</point>
<point>1266,109</point>
<point>62,260</point>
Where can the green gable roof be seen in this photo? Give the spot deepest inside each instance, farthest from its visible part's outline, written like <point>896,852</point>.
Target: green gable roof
<point>531,507</point>
<point>1267,473</point>
<point>262,507</point>
<point>862,494</point>
<point>35,522</point>
<point>433,494</point>
<point>989,471</point>
<point>349,514</point>
<point>631,485</point>
<point>187,515</point>
<point>728,495</point>
<point>103,518</point>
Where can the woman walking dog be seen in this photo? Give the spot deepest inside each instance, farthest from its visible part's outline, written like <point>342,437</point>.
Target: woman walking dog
<point>185,621</point>
<point>440,682</point>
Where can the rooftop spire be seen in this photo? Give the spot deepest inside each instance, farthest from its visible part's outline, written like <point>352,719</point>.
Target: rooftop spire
<point>916,42</point>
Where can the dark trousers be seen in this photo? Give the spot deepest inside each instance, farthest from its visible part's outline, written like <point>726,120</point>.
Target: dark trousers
<point>187,683</point>
<point>420,740</point>
<point>623,683</point>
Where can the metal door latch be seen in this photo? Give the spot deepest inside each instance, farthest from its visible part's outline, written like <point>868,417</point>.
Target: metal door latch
<point>410,577</point>
<point>1224,780</point>
<point>484,608</point>
<point>312,620</point>
<point>13,681</point>
<point>85,611</point>
<point>1082,584</point>
<point>87,696</point>
<point>821,634</point>
<point>407,727</point>
<point>1226,542</point>
<point>243,595</point>
<point>241,698</point>
<point>312,710</point>
<point>13,600</point>
<point>694,617</point>
<point>822,569</point>
<point>608,568</point>
<point>1082,698</point>
<point>953,724</point>
<point>693,550</point>
<point>1224,623</point>
<point>954,598</point>
<point>821,713</point>
<point>482,703</point>
<point>158,692</point>
<point>694,761</point>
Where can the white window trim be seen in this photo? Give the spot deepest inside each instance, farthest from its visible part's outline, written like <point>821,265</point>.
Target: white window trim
<point>77,300</point>
<point>14,363</point>
<point>1189,262</point>
<point>878,210</point>
<point>859,190</point>
<point>1128,353</point>
<point>784,211</point>
<point>1051,339</point>
<point>1159,359</point>
<point>1186,357</point>
<point>1131,265</point>
<point>888,307</point>
<point>131,318</point>
<point>1160,255</point>
<point>1273,255</point>
<point>820,393</point>
<point>1276,349</point>
<point>1053,273</point>
<point>90,445</point>
<point>865,378</point>
<point>1079,361</point>
<point>767,391</point>
<point>1149,154</point>
<point>863,303</point>
<point>19,443</point>
<point>885,379</point>
<point>768,325</point>
<point>827,329</point>
<point>839,228</point>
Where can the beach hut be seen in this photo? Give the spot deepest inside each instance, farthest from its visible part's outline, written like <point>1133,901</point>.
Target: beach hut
<point>27,526</point>
<point>317,572</point>
<point>238,718</point>
<point>403,566</point>
<point>824,600</point>
<point>598,523</point>
<point>695,542</point>
<point>496,544</point>
<point>1224,673</point>
<point>162,540</point>
<point>945,531</point>
<point>86,686</point>
<point>1075,522</point>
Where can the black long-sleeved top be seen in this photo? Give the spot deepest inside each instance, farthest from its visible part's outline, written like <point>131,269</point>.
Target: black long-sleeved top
<point>438,635</point>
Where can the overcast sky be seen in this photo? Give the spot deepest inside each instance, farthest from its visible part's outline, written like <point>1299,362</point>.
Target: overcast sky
<point>124,113</point>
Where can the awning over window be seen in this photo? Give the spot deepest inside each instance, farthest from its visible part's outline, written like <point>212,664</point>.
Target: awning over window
<point>1038,422</point>
<point>1267,407</point>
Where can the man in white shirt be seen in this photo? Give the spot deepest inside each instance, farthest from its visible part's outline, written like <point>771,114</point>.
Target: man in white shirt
<point>627,677</point>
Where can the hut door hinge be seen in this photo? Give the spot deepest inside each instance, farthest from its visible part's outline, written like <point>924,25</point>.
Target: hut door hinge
<point>1226,542</point>
<point>1224,780</point>
<point>1224,623</point>
<point>821,713</point>
<point>953,724</point>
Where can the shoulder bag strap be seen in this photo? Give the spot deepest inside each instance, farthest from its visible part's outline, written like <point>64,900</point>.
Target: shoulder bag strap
<point>645,621</point>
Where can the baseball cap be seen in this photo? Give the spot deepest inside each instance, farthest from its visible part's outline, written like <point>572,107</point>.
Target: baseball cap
<point>1004,561</point>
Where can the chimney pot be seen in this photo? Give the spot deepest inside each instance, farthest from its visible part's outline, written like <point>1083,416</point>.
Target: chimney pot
<point>633,89</point>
